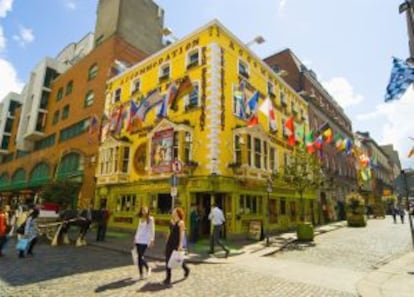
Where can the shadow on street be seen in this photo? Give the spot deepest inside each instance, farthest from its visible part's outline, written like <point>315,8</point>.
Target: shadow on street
<point>116,285</point>
<point>53,262</point>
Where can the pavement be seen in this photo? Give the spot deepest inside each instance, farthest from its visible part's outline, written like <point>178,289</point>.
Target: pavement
<point>396,278</point>
<point>122,241</point>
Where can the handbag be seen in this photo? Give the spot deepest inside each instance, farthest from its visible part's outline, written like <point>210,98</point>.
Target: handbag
<point>134,256</point>
<point>176,260</point>
<point>22,244</point>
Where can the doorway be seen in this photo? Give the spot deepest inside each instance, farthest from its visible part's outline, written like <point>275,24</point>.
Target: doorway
<point>203,203</point>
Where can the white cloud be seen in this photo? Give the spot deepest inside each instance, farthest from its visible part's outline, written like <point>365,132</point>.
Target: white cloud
<point>282,4</point>
<point>25,36</point>
<point>9,80</point>
<point>2,40</point>
<point>342,91</point>
<point>394,119</point>
<point>5,6</point>
<point>70,4</point>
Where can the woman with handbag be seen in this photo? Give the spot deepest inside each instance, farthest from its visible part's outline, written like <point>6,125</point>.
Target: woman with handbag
<point>175,242</point>
<point>30,232</point>
<point>144,238</point>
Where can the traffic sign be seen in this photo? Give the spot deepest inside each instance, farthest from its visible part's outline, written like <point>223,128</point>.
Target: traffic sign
<point>177,166</point>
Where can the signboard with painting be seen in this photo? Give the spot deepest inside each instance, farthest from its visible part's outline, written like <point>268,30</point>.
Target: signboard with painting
<point>161,150</point>
<point>255,230</point>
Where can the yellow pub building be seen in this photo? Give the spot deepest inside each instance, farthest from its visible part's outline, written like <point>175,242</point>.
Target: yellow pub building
<point>201,120</point>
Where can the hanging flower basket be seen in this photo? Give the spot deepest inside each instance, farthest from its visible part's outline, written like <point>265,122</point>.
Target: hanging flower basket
<point>355,209</point>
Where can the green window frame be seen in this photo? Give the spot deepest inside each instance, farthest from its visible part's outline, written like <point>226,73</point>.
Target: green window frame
<point>74,130</point>
<point>40,174</point>
<point>19,177</point>
<point>69,166</point>
<point>56,115</point>
<point>89,98</point>
<point>65,112</point>
<point>93,71</point>
<point>59,94</point>
<point>69,88</point>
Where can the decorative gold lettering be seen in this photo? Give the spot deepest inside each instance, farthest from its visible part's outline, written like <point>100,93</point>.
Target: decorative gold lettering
<point>231,45</point>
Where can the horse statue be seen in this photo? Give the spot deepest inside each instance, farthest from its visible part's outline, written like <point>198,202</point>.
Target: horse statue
<point>74,218</point>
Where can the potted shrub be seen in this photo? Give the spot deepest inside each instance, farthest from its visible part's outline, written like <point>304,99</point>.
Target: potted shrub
<point>355,210</point>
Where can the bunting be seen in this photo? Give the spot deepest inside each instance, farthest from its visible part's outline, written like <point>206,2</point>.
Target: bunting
<point>327,134</point>
<point>310,146</point>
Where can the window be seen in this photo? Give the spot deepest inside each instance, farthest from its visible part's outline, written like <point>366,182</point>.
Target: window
<point>50,75</point>
<point>257,153</point>
<point>89,98</point>
<point>284,131</point>
<point>293,211</point>
<point>164,203</point>
<point>164,72</point>
<point>117,95</point>
<point>5,142</point>
<point>125,160</point>
<point>273,159</point>
<point>187,146</point>
<point>13,106</point>
<point>193,98</point>
<point>250,204</point>
<point>93,71</point>
<point>283,206</point>
<point>74,130</point>
<point>249,150</point>
<point>41,122</point>
<point>69,166</point>
<point>270,89</point>
<point>9,125</point>
<point>237,149</point>
<point>265,154</point>
<point>55,117</point>
<point>276,68</point>
<point>65,112</point>
<point>282,98</point>
<point>192,59</point>
<point>69,88</point>
<point>243,69</point>
<point>126,202</point>
<point>175,145</point>
<point>59,95</point>
<point>136,86</point>
<point>7,158</point>
<point>44,100</point>
<point>285,159</point>
<point>45,142</point>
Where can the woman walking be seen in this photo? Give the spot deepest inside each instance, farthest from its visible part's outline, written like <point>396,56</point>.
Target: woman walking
<point>3,229</point>
<point>30,232</point>
<point>144,238</point>
<point>175,242</point>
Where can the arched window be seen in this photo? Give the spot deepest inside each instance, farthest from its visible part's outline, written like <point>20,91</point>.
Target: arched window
<point>40,174</point>
<point>89,98</point>
<point>70,166</point>
<point>69,87</point>
<point>18,178</point>
<point>93,71</point>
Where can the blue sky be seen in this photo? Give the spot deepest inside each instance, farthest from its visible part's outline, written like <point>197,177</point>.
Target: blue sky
<point>349,44</point>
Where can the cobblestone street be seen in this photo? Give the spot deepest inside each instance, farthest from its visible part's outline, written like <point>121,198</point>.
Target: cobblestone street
<point>330,268</point>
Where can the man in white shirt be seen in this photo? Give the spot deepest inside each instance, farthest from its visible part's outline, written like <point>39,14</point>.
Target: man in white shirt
<point>216,216</point>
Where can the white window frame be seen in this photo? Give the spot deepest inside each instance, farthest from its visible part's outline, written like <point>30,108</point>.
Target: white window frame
<point>114,96</point>
<point>133,84</point>
<point>187,58</point>
<point>187,97</point>
<point>246,66</point>
<point>161,75</point>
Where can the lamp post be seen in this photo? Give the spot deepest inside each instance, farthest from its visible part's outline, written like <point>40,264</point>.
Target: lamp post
<point>269,190</point>
<point>407,194</point>
<point>258,39</point>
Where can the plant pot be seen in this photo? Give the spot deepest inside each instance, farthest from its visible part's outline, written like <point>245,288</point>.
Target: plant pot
<point>304,232</point>
<point>356,220</point>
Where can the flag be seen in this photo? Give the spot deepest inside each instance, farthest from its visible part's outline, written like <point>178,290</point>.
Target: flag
<point>153,98</point>
<point>338,142</point>
<point>253,105</point>
<point>133,108</point>
<point>120,120</point>
<point>300,132</point>
<point>267,109</point>
<point>348,146</point>
<point>411,153</point>
<point>290,131</point>
<point>402,76</point>
<point>163,111</point>
<point>310,147</point>
<point>93,128</point>
<point>240,100</point>
<point>185,88</point>
<point>319,142</point>
<point>172,93</point>
<point>328,135</point>
<point>366,174</point>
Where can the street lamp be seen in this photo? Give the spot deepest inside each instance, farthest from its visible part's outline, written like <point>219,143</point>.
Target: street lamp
<point>168,32</point>
<point>258,39</point>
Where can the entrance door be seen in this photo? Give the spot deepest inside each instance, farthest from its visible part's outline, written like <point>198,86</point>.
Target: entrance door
<point>203,202</point>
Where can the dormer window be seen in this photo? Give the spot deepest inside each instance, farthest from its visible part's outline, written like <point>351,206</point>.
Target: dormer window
<point>164,72</point>
<point>243,69</point>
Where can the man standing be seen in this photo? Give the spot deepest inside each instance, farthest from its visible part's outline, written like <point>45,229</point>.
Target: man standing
<point>194,223</point>
<point>216,216</point>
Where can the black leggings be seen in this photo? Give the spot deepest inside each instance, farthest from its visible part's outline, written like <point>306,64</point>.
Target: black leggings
<point>141,262</point>
<point>168,270</point>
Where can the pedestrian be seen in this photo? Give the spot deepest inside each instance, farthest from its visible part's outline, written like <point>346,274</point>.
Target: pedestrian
<point>394,214</point>
<point>3,229</point>
<point>102,224</point>
<point>30,232</point>
<point>216,217</point>
<point>194,223</point>
<point>175,242</point>
<point>144,238</point>
<point>402,214</point>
